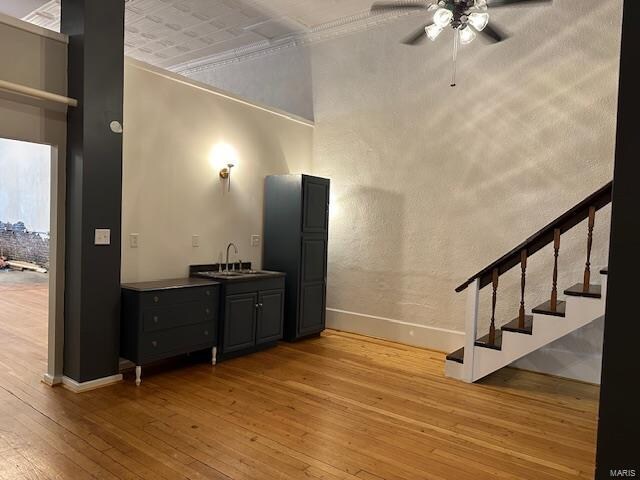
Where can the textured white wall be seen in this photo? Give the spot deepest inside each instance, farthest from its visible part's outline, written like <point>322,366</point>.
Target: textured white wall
<point>171,191</point>
<point>430,184</point>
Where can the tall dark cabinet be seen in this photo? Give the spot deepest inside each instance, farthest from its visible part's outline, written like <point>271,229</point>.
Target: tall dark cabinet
<point>296,226</point>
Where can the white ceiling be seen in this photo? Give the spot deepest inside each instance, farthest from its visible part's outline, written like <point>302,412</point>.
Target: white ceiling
<point>171,33</point>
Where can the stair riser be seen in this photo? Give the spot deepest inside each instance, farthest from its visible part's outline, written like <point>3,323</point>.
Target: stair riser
<point>580,309</point>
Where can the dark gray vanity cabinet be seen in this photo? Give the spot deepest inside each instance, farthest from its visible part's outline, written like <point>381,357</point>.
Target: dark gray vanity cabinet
<point>168,318</point>
<point>296,226</point>
<point>253,315</point>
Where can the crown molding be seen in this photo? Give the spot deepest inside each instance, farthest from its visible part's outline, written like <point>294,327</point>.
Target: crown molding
<point>327,31</point>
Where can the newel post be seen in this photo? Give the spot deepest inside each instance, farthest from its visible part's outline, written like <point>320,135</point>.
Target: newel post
<point>471,327</point>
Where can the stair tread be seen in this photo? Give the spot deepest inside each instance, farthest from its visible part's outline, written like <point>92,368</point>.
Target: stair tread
<point>457,356</point>
<point>594,291</point>
<point>513,325</point>
<point>484,341</point>
<point>545,309</point>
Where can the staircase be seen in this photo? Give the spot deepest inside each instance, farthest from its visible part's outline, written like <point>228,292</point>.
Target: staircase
<point>553,319</point>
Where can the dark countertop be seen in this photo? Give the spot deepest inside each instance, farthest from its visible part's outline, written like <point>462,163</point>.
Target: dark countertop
<point>169,284</point>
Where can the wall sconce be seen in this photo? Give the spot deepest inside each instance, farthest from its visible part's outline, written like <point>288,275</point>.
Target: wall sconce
<point>223,158</point>
<point>225,174</point>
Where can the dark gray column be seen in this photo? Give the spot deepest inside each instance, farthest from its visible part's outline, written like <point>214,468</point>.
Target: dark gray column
<point>94,187</point>
<point>619,425</point>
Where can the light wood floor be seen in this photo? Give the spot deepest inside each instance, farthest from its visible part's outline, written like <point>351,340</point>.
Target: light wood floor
<point>337,407</point>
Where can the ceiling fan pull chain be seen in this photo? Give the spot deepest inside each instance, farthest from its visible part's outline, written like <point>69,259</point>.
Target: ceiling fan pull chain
<point>456,41</point>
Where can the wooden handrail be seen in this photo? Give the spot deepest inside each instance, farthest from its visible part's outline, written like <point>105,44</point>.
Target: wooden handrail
<point>543,237</point>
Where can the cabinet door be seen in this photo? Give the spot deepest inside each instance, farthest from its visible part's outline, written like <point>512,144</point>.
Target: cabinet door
<point>271,316</point>
<point>312,309</point>
<point>314,260</point>
<point>239,322</point>
<point>315,216</point>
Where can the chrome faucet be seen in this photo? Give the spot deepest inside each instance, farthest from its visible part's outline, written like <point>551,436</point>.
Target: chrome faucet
<point>228,247</point>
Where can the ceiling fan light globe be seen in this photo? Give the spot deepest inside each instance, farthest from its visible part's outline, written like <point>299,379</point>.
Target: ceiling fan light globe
<point>479,21</point>
<point>442,17</point>
<point>467,35</point>
<point>433,31</point>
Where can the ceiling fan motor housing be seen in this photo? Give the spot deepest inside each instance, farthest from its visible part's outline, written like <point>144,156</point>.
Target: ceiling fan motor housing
<point>460,10</point>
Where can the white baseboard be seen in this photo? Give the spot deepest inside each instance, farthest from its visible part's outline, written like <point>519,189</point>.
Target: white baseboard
<point>433,338</point>
<point>80,387</point>
<point>51,380</point>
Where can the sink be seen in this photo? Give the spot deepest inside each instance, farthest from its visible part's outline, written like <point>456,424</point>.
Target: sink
<point>220,274</point>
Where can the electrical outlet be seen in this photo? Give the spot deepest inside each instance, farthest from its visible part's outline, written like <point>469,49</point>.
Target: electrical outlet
<point>103,236</point>
<point>255,240</point>
<point>134,240</point>
<point>195,241</point>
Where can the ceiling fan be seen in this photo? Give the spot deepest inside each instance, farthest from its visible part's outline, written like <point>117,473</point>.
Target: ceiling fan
<point>467,18</point>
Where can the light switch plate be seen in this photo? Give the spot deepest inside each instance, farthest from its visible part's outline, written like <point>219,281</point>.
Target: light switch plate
<point>255,240</point>
<point>134,240</point>
<point>195,241</point>
<point>103,236</point>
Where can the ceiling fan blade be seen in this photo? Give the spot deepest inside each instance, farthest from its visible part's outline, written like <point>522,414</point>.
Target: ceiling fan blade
<point>416,37</point>
<point>494,34</point>
<point>512,3</point>
<point>407,5</point>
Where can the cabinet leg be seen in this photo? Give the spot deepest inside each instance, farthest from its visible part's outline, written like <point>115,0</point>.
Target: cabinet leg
<point>214,354</point>
<point>138,375</point>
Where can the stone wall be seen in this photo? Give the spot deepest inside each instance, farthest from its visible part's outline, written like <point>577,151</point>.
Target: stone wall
<point>16,243</point>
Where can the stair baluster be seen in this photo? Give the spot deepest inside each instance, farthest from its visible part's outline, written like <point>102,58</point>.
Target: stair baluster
<point>553,304</point>
<point>523,280</point>
<point>492,328</point>
<point>587,271</point>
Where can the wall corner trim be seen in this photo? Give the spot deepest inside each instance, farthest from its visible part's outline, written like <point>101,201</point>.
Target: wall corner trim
<point>80,387</point>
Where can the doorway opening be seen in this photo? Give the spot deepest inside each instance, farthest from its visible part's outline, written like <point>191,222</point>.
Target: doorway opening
<point>25,253</point>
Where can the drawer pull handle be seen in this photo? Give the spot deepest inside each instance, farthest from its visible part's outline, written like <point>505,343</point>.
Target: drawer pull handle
<point>154,343</point>
<point>206,332</point>
<point>208,293</point>
<point>156,299</point>
<point>208,311</point>
<point>155,319</point>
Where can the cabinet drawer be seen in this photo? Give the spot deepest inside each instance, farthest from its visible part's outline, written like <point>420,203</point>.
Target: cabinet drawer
<point>187,338</point>
<point>165,298</point>
<point>163,318</point>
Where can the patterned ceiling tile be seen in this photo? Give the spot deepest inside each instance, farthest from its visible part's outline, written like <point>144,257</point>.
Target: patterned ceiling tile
<point>169,33</point>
